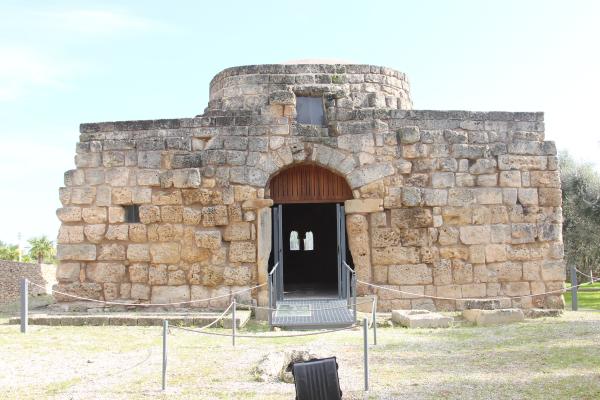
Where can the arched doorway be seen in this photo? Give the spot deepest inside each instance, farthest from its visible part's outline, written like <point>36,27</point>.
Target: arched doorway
<point>308,204</point>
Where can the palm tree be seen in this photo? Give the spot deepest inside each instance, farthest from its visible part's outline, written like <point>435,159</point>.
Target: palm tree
<point>41,248</point>
<point>9,252</point>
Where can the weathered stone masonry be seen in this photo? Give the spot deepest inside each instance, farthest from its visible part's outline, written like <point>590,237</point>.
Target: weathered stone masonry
<point>454,204</point>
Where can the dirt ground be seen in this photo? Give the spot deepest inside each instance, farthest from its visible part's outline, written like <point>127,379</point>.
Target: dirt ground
<point>538,359</point>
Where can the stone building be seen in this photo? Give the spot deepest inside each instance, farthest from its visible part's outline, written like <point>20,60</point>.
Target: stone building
<point>452,204</point>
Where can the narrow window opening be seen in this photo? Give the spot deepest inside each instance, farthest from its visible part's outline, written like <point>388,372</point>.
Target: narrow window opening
<point>132,213</point>
<point>309,110</point>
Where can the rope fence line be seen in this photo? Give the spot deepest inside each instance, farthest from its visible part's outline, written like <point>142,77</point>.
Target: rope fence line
<point>190,301</point>
<point>416,295</point>
<point>250,306</point>
<point>149,304</point>
<point>265,336</point>
<point>592,279</point>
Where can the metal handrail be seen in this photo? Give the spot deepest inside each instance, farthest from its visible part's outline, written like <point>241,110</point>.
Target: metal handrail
<point>345,264</point>
<point>274,268</point>
<point>351,287</point>
<point>271,282</point>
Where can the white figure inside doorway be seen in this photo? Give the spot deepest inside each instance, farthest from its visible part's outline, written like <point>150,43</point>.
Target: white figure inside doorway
<point>308,241</point>
<point>294,241</point>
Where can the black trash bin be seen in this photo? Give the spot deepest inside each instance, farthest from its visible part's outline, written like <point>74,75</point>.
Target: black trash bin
<point>317,379</point>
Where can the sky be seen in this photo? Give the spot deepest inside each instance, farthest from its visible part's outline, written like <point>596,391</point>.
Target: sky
<point>67,62</point>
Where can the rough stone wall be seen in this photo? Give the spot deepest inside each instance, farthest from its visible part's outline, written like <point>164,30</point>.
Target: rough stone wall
<point>446,203</point>
<point>12,272</point>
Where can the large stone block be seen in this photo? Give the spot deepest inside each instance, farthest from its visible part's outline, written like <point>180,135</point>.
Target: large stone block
<point>553,270</point>
<point>83,195</point>
<point>237,231</point>
<point>494,317</point>
<point>369,173</point>
<point>117,232</point>
<point>167,197</point>
<point>550,197</point>
<point>215,216</point>
<point>149,214</point>
<point>495,252</point>
<point>475,234</point>
<point>140,291</point>
<point>186,178</point>
<point>242,252</point>
<point>357,206</point>
<point>409,134</point>
<point>69,214</point>
<point>442,179</point>
<point>158,274</point>
<point>510,179</point>
<point>111,251</point>
<point>170,294</point>
<point>165,252</point>
<point>461,197</point>
<point>515,289</point>
<point>138,272</point>
<point>70,234</point>
<point>138,252</point>
<point>411,218</point>
<point>385,237</point>
<point>208,239</point>
<point>522,163</point>
<point>171,214</point>
<point>462,272</point>
<point>103,272</point>
<point>395,255</point>
<point>412,274</point>
<point>68,271</point>
<point>94,233</point>
<point>498,272</point>
<point>88,290</point>
<point>76,252</point>
<point>435,197</point>
<point>238,275</point>
<point>420,319</point>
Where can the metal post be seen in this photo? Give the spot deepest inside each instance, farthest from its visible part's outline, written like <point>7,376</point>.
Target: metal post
<point>354,295</point>
<point>233,323</point>
<point>374,318</point>
<point>573,288</point>
<point>24,305</point>
<point>164,362</point>
<point>366,352</point>
<point>270,289</point>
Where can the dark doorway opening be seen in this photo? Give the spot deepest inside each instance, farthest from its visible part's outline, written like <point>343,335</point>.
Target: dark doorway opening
<point>310,273</point>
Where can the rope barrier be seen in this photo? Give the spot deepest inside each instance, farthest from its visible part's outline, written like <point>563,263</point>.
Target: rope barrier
<point>266,336</point>
<point>588,276</point>
<point>416,295</point>
<point>216,320</point>
<point>149,304</point>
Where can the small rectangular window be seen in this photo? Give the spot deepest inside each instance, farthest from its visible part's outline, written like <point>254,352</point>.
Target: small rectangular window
<point>309,110</point>
<point>132,213</point>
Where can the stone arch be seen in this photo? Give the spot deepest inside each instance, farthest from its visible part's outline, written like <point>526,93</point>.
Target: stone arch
<point>338,162</point>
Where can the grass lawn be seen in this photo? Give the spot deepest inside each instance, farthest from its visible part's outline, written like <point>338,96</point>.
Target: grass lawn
<point>585,300</point>
<point>540,359</point>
